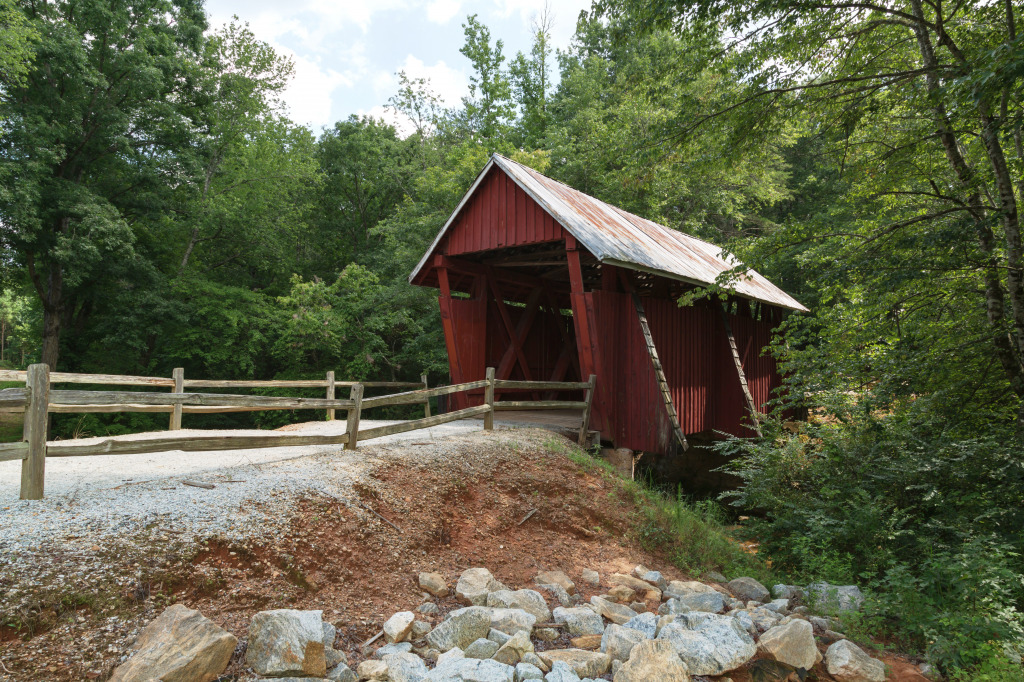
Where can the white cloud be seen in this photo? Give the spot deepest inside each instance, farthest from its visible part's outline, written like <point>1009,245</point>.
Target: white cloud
<point>449,84</point>
<point>442,11</point>
<point>309,95</point>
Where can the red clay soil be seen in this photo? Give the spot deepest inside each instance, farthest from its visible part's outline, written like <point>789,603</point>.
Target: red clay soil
<point>359,569</point>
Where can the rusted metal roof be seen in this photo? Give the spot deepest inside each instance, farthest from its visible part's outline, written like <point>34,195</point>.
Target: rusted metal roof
<point>617,237</point>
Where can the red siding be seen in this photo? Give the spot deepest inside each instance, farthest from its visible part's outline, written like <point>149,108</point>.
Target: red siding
<point>499,214</point>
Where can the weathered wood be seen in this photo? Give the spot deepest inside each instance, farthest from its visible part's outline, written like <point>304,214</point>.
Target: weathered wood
<point>489,400</point>
<point>589,400</point>
<point>415,397</point>
<point>542,385</point>
<point>13,451</point>
<point>197,484</point>
<point>189,443</point>
<point>146,398</point>
<point>186,409</point>
<point>354,413</point>
<point>513,335</point>
<point>13,398</point>
<point>426,402</point>
<point>329,395</point>
<point>540,405</point>
<point>659,373</point>
<point>739,371</point>
<point>401,427</point>
<point>77,378</point>
<point>33,467</point>
<point>255,383</point>
<point>178,374</point>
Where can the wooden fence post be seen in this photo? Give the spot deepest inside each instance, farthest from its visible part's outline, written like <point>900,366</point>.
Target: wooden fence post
<point>589,400</point>
<point>33,468</point>
<point>330,394</point>
<point>426,405</point>
<point>354,415</point>
<point>178,374</point>
<point>489,399</point>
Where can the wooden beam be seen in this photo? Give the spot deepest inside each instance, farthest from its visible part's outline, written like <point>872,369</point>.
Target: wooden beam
<point>579,313</point>
<point>448,323</point>
<point>33,467</point>
<point>65,397</point>
<point>500,274</point>
<point>522,329</point>
<point>329,393</point>
<point>436,420</point>
<point>489,400</point>
<point>426,402</point>
<point>588,400</point>
<point>178,374</point>
<point>189,443</point>
<point>739,371</point>
<point>509,329</point>
<point>659,372</point>
<point>354,412</point>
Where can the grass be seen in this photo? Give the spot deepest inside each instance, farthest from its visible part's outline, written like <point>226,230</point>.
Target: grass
<point>691,534</point>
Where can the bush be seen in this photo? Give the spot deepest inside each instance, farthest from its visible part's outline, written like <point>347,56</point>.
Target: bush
<point>927,520</point>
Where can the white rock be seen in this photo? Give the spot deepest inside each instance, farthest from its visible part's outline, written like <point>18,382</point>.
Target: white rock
<point>584,663</point>
<point>779,606</point>
<point>556,578</point>
<point>530,601</point>
<point>475,584</point>
<point>792,644</point>
<point>434,583</point>
<point>681,588</point>
<point>749,589</point>
<point>847,662</point>
<point>579,621</point>
<point>287,642</point>
<point>591,577</point>
<point>618,641</point>
<point>398,627</point>
<point>512,651</point>
<point>646,623</point>
<point>451,655</point>
<point>655,578</point>
<point>526,671</point>
<point>461,628</point>
<point>825,597</point>
<point>481,648</point>
<point>471,670</point>
<point>616,613</point>
<point>708,602</point>
<point>709,644</point>
<point>652,661</point>
<point>396,648</point>
<point>405,668</point>
<point>562,672</point>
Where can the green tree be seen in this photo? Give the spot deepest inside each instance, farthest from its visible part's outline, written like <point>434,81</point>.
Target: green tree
<point>17,38</point>
<point>488,109</point>
<point>530,79</point>
<point>95,135</point>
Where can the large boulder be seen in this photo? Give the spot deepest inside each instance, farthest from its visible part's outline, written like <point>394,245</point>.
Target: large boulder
<point>470,670</point>
<point>834,598</point>
<point>653,661</point>
<point>646,623</point>
<point>749,589</point>
<point>709,644</point>
<point>583,663</point>
<point>526,671</point>
<point>791,643</point>
<point>511,621</point>
<point>287,642</point>
<point>618,641</point>
<point>179,645</point>
<point>579,621</point>
<point>562,672</point>
<point>847,662</point>
<point>616,613</point>
<point>461,628</point>
<point>530,601</point>
<point>475,584</point>
<point>341,673</point>
<point>512,651</point>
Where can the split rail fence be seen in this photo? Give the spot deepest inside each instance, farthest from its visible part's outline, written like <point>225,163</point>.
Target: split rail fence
<point>38,400</point>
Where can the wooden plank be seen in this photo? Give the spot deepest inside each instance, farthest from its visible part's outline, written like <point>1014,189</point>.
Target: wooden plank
<point>509,329</point>
<point>186,409</point>
<point>542,385</point>
<point>401,427</point>
<point>77,378</point>
<point>354,413</point>
<point>666,395</point>
<point>13,451</point>
<point>329,395</point>
<point>414,397</point>
<point>448,324</point>
<point>540,405</point>
<point>489,400</point>
<point>739,371</point>
<point>426,403</point>
<point>33,467</point>
<point>522,329</point>
<point>178,374</point>
<point>13,398</point>
<point>589,400</point>
<point>189,443</point>
<point>579,310</point>
<point>146,398</point>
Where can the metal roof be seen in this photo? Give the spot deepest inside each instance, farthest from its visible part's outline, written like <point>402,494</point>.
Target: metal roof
<point>617,237</point>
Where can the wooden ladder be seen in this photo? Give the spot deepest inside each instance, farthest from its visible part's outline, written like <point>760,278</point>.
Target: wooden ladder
<point>739,371</point>
<point>658,371</point>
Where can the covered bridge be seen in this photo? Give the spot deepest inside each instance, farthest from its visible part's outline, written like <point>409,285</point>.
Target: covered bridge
<point>546,283</point>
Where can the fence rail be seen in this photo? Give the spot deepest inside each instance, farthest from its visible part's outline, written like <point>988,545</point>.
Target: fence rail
<point>38,401</point>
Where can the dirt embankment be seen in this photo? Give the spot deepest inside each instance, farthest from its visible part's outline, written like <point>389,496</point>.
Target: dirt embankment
<point>357,557</point>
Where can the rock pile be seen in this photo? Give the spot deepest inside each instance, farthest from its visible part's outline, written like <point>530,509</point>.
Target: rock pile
<point>643,627</point>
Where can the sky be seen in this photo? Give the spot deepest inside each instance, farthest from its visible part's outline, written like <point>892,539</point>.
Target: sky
<point>346,54</point>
